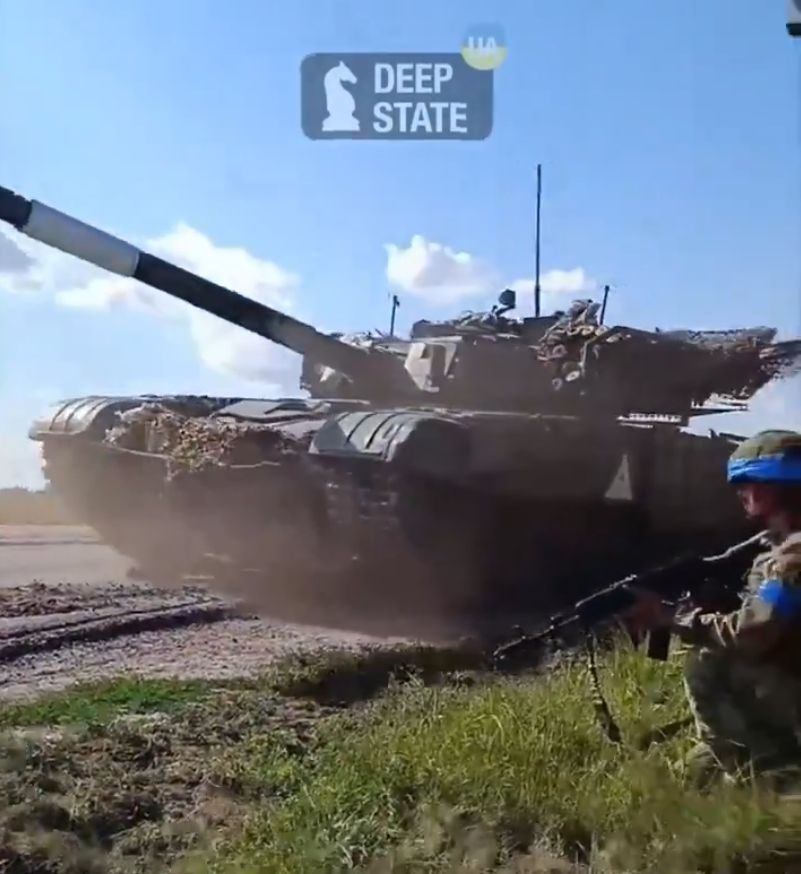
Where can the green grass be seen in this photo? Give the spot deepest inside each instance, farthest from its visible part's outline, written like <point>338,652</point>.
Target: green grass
<point>99,702</point>
<point>497,771</point>
<point>128,796</point>
<point>504,775</point>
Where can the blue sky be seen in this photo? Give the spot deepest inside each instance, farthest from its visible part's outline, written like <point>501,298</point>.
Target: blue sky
<point>670,136</point>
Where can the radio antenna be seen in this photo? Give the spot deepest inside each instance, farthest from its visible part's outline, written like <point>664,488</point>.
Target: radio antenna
<point>537,244</point>
<point>603,305</point>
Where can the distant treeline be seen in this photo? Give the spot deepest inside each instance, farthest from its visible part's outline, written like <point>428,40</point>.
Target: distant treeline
<point>20,506</point>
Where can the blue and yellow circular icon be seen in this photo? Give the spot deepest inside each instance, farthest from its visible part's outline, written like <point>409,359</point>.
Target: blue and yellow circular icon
<point>484,46</point>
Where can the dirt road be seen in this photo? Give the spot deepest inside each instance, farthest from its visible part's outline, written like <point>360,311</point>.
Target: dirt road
<point>68,612</point>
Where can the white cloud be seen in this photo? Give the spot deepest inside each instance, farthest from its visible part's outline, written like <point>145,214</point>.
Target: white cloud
<point>559,287</point>
<point>220,345</point>
<point>13,259</point>
<point>436,273</point>
<point>443,276</point>
<point>777,405</point>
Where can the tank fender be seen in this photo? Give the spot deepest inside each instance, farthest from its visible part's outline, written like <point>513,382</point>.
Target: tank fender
<point>92,415</point>
<point>425,442</point>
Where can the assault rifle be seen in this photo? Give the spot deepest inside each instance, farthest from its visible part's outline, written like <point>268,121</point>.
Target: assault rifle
<point>684,576</point>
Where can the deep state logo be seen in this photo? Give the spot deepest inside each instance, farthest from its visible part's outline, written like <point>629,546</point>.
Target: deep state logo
<point>406,95</point>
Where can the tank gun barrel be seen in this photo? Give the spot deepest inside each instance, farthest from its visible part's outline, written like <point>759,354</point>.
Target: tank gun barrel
<point>63,232</point>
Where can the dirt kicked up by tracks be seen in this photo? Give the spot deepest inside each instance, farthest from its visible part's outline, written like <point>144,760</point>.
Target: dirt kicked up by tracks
<point>56,629</point>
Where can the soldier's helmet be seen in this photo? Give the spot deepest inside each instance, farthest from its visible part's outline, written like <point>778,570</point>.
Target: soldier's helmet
<point>767,457</point>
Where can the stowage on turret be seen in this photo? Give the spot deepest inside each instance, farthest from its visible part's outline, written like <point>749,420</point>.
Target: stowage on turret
<point>481,465</point>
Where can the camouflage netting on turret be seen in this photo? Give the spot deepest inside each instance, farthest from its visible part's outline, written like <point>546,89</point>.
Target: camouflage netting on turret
<point>692,365</point>
<point>191,444</point>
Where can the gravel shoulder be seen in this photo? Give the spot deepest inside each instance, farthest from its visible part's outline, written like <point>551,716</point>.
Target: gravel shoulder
<point>68,614</point>
<point>215,648</point>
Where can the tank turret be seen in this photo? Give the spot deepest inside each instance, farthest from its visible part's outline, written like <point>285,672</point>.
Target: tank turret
<point>570,363</point>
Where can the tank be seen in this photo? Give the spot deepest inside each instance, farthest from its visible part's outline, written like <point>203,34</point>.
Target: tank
<point>480,467</point>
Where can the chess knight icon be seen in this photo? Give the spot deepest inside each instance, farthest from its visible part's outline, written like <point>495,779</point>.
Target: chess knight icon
<point>338,100</point>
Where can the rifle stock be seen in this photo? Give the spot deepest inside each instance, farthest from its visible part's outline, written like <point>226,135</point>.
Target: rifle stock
<point>682,575</point>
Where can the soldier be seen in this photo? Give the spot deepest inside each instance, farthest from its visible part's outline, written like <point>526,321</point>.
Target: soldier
<point>743,670</point>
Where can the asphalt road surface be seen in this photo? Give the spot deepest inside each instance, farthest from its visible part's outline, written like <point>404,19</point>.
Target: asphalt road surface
<point>56,554</point>
<point>69,613</point>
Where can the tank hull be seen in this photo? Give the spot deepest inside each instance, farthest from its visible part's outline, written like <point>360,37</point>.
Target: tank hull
<point>348,514</point>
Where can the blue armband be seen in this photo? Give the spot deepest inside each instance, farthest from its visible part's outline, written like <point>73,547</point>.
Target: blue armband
<point>784,599</point>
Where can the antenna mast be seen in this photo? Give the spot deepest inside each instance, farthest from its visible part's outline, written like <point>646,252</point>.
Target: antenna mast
<point>603,305</point>
<point>395,305</point>
<point>537,245</point>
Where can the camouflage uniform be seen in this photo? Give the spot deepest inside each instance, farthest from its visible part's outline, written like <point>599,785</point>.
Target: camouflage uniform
<point>743,670</point>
